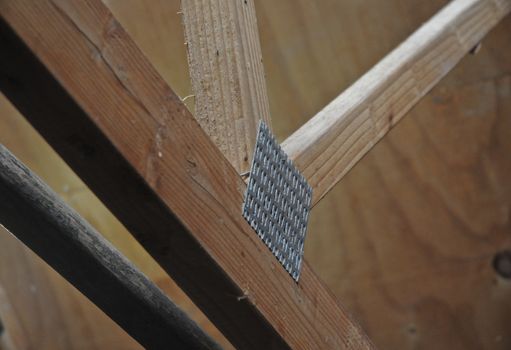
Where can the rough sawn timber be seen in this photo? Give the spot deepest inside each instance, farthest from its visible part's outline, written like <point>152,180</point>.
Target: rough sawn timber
<point>227,74</point>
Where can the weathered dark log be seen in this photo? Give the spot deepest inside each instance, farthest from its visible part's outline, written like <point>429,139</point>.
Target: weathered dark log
<point>37,217</point>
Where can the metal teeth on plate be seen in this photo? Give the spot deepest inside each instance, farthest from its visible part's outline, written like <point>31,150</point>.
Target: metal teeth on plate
<point>277,202</point>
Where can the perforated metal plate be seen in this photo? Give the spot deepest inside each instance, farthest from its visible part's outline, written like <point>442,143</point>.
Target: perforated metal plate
<point>277,202</point>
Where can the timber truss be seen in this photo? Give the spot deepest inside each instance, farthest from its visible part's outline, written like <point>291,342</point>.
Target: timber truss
<point>174,180</point>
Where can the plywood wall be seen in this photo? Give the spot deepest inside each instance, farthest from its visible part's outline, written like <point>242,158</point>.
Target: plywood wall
<point>406,240</point>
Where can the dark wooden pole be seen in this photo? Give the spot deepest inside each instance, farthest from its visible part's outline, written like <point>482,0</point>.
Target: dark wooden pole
<point>37,217</point>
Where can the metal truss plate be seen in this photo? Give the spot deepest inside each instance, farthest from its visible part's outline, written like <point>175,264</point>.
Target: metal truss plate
<point>277,201</point>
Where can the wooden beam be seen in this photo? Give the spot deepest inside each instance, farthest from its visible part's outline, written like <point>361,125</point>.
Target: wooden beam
<point>38,218</point>
<point>227,74</point>
<point>334,140</point>
<point>88,89</point>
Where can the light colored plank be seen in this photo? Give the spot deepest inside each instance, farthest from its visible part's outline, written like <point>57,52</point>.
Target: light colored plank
<point>334,140</point>
<point>136,145</point>
<point>227,74</point>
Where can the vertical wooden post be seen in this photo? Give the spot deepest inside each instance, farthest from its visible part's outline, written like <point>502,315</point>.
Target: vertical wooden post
<point>227,74</point>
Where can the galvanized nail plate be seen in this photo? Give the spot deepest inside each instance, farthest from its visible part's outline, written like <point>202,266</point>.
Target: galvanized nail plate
<point>277,202</point>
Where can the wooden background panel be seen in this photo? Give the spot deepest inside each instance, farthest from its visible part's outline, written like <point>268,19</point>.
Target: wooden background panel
<point>406,240</point>
<point>313,50</point>
<point>418,222</point>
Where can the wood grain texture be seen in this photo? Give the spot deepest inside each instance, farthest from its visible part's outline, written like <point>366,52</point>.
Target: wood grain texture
<point>79,253</point>
<point>418,224</point>
<point>381,271</point>
<point>407,238</point>
<point>333,141</point>
<point>122,97</point>
<point>227,74</point>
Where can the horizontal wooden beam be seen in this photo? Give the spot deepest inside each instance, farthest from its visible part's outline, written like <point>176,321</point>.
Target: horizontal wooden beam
<point>334,140</point>
<point>228,83</point>
<point>43,222</point>
<point>88,89</point>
